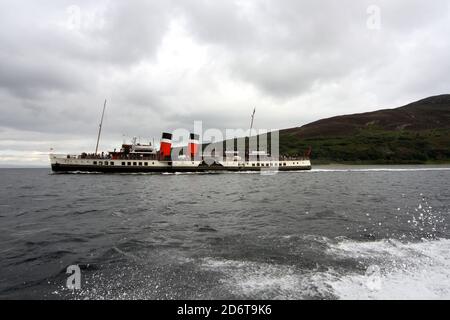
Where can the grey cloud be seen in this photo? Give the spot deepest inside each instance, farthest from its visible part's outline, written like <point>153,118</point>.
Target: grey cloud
<point>133,30</point>
<point>41,53</point>
<point>296,60</point>
<point>221,22</point>
<point>292,45</point>
<point>28,79</point>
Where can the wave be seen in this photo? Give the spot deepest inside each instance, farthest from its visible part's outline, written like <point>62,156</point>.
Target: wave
<point>256,280</point>
<point>406,270</point>
<point>387,269</point>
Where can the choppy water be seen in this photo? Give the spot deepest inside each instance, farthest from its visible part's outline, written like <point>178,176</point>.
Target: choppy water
<point>332,233</point>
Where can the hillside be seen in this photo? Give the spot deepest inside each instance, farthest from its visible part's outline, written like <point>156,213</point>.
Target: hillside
<point>416,133</point>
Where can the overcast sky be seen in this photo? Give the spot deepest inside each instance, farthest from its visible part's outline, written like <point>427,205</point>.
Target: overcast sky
<point>164,64</point>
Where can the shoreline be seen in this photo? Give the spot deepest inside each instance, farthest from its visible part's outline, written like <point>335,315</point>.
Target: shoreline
<point>380,162</point>
<point>315,164</point>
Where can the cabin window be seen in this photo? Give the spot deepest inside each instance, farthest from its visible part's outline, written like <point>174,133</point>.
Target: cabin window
<point>106,163</point>
<point>100,162</point>
<point>145,163</point>
<point>140,163</point>
<point>253,164</point>
<point>129,163</point>
<point>284,164</point>
<point>95,162</point>
<point>111,163</point>
<point>123,163</point>
<point>134,163</point>
<point>153,162</point>
<point>257,164</point>
<point>267,164</point>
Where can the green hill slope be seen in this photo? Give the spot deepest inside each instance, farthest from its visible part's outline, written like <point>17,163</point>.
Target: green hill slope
<point>416,133</point>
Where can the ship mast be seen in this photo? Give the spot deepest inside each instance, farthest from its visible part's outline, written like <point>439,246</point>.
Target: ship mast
<point>100,127</point>
<point>251,125</point>
<point>247,144</point>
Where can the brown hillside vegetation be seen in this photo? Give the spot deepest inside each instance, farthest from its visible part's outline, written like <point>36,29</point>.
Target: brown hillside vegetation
<point>416,133</point>
<point>427,114</point>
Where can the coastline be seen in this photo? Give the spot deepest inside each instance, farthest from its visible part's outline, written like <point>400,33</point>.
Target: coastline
<point>316,164</point>
<point>380,162</point>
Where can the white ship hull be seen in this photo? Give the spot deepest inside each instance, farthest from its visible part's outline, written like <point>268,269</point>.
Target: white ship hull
<point>64,163</point>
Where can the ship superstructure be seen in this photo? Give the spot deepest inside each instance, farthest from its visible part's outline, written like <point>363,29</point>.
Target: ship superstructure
<point>137,157</point>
